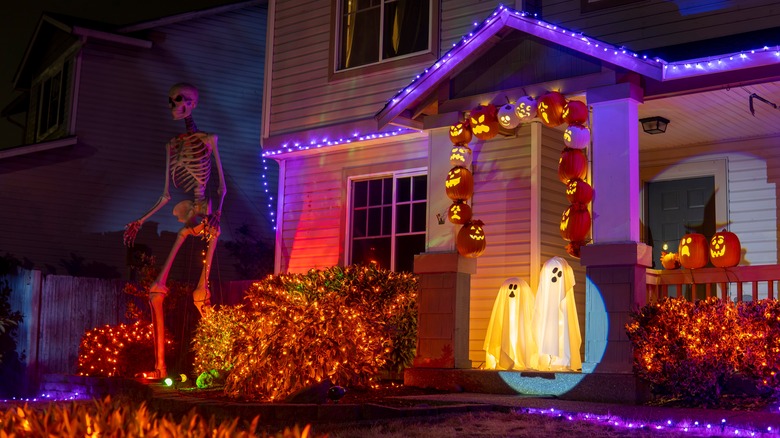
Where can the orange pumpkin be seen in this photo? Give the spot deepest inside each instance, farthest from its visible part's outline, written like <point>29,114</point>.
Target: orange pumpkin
<point>692,251</point>
<point>459,213</point>
<point>578,191</point>
<point>461,155</point>
<point>550,108</point>
<point>460,133</point>
<point>575,112</point>
<point>471,239</point>
<point>573,164</point>
<point>459,184</point>
<point>575,223</point>
<point>670,260</point>
<point>725,249</point>
<point>484,121</point>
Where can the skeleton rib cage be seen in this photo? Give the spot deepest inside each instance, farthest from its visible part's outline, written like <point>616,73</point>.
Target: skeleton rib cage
<point>191,163</point>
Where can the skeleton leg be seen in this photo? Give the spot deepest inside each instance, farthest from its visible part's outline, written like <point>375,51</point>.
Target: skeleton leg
<point>201,296</point>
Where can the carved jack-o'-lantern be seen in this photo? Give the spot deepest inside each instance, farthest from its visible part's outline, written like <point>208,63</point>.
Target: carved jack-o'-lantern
<point>550,108</point>
<point>575,223</point>
<point>459,213</point>
<point>579,192</point>
<point>471,239</point>
<point>461,156</point>
<point>576,137</point>
<point>573,164</point>
<point>693,251</point>
<point>459,184</point>
<point>525,108</point>
<point>484,121</point>
<point>725,249</point>
<point>507,117</point>
<point>460,133</point>
<point>575,112</point>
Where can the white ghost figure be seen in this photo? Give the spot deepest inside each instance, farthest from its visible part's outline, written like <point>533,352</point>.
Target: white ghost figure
<point>509,343</point>
<point>556,327</point>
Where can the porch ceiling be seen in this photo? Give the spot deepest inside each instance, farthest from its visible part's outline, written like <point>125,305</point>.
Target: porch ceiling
<point>714,116</point>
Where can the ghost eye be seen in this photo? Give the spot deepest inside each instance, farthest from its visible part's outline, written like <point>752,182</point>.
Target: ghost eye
<point>555,269</point>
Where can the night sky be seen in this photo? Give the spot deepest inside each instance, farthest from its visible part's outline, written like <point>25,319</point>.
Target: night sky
<point>18,19</point>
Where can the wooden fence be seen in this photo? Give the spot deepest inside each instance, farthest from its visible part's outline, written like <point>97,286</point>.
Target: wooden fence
<point>737,284</point>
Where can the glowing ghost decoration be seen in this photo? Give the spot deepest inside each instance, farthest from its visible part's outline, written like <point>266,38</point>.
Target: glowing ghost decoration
<point>470,241</point>
<point>507,116</point>
<point>510,344</point>
<point>459,184</point>
<point>525,108</point>
<point>693,251</point>
<point>550,108</point>
<point>573,164</point>
<point>575,112</point>
<point>579,192</point>
<point>725,249</point>
<point>575,223</point>
<point>459,213</point>
<point>556,326</point>
<point>484,121</point>
<point>460,133</point>
<point>576,137</point>
<point>461,155</point>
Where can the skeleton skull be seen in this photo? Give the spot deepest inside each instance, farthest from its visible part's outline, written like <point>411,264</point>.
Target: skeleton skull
<point>182,99</point>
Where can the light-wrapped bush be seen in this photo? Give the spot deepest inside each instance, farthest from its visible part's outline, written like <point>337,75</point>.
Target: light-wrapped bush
<point>215,336</point>
<point>118,351</point>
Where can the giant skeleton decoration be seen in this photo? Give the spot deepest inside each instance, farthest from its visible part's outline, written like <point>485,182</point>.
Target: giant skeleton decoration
<point>188,163</point>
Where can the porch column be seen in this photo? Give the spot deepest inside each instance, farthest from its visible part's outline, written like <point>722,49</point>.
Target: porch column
<point>616,260</point>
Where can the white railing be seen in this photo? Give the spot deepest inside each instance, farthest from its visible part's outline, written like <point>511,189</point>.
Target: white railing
<point>756,282</point>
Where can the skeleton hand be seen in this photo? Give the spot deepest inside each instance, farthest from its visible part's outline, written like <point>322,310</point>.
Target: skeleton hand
<point>213,223</point>
<point>131,230</point>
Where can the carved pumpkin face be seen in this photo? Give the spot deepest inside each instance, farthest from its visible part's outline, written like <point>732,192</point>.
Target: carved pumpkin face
<point>460,133</point>
<point>461,156</point>
<point>525,108</point>
<point>459,184</point>
<point>725,249</point>
<point>573,164</point>
<point>471,239</point>
<point>693,251</point>
<point>550,108</point>
<point>507,117</point>
<point>459,213</point>
<point>578,191</point>
<point>575,112</point>
<point>575,223</point>
<point>576,137</point>
<point>484,121</point>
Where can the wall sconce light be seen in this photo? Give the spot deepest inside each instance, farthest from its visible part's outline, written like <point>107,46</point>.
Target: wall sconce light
<point>654,125</point>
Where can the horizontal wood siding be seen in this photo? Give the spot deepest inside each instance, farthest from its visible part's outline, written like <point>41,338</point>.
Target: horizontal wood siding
<point>314,211</point>
<point>77,200</point>
<point>753,178</point>
<point>658,23</point>
<point>502,200</point>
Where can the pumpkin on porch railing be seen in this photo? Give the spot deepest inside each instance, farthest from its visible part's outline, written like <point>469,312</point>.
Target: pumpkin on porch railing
<point>459,213</point>
<point>470,241</point>
<point>461,155</point>
<point>459,184</point>
<point>550,108</point>
<point>460,133</point>
<point>484,121</point>
<point>578,191</point>
<point>725,249</point>
<point>576,137</point>
<point>507,117</point>
<point>575,223</point>
<point>573,164</point>
<point>693,251</point>
<point>575,112</point>
<point>670,260</point>
<point>525,108</point>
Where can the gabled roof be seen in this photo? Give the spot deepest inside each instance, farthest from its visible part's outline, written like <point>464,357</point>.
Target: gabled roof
<point>658,73</point>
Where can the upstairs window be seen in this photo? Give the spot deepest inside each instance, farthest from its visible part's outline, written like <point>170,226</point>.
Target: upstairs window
<point>52,102</point>
<point>373,31</point>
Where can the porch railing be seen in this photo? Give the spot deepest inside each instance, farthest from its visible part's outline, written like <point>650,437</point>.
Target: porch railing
<point>737,283</point>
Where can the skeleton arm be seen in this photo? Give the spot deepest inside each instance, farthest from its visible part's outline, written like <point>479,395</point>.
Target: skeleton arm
<point>222,188</point>
<point>131,229</point>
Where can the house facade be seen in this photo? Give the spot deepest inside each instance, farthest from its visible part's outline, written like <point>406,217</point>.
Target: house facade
<point>359,129</point>
<point>96,121</point>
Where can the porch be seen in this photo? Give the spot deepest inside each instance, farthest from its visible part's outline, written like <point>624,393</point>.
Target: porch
<point>739,283</point>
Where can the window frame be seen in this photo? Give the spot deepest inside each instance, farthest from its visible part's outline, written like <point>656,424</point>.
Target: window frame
<point>65,71</point>
<point>426,56</point>
<point>395,175</point>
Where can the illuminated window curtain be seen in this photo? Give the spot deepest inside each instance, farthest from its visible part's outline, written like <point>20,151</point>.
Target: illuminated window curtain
<point>405,27</point>
<point>359,32</point>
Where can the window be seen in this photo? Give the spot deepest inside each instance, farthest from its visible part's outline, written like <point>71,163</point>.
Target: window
<point>52,100</point>
<point>372,31</point>
<point>388,220</point>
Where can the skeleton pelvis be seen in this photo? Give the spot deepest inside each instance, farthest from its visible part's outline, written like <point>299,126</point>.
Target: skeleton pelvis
<point>192,213</point>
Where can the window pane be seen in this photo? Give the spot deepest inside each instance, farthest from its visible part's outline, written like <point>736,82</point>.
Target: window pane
<point>418,217</point>
<point>403,190</point>
<point>366,250</point>
<point>359,223</point>
<point>360,194</point>
<point>374,221</point>
<point>387,195</point>
<point>387,221</point>
<point>359,34</point>
<point>375,192</point>
<point>402,218</point>
<point>420,188</point>
<point>406,247</point>
<point>405,27</point>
